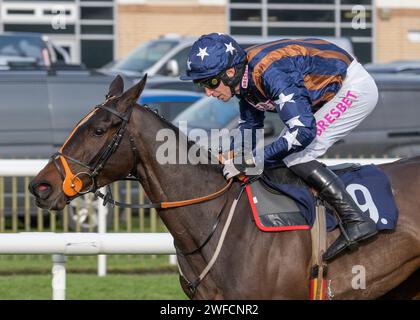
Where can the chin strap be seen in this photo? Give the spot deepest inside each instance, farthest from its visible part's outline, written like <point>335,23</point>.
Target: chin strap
<point>234,81</point>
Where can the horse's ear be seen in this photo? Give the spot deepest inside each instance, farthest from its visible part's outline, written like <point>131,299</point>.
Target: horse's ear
<point>132,95</point>
<point>116,88</point>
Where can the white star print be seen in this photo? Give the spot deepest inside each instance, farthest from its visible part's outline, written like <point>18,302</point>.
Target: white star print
<point>220,34</point>
<point>291,139</point>
<point>202,53</point>
<point>294,122</point>
<point>189,64</point>
<point>229,47</point>
<point>284,99</point>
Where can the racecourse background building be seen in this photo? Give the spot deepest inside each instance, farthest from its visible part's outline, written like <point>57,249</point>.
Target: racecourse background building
<point>300,18</point>
<point>380,31</point>
<point>82,27</point>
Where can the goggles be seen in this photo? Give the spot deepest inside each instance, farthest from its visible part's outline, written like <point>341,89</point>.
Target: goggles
<point>210,83</point>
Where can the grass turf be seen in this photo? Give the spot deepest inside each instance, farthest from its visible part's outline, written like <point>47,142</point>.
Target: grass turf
<point>92,287</point>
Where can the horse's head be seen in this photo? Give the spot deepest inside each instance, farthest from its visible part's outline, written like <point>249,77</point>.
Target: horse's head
<point>98,151</point>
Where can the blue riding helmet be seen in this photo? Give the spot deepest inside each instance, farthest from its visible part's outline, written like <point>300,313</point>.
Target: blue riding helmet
<point>211,54</point>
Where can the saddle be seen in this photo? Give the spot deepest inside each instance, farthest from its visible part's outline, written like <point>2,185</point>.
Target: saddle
<point>281,201</point>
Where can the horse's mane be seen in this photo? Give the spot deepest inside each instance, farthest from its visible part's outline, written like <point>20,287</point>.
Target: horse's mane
<point>210,156</point>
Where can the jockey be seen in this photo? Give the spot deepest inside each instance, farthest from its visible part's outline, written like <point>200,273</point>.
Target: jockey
<point>319,91</point>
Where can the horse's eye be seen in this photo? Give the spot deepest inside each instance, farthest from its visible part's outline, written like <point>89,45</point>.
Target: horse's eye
<point>99,131</point>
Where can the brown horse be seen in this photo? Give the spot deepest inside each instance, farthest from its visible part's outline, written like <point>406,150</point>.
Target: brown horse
<point>252,264</point>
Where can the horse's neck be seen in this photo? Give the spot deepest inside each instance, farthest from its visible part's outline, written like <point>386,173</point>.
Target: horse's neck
<point>179,178</point>
<point>174,182</point>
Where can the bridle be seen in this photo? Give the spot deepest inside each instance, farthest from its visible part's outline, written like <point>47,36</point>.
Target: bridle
<point>72,183</point>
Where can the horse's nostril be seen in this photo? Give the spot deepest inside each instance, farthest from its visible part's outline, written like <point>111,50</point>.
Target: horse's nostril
<point>41,189</point>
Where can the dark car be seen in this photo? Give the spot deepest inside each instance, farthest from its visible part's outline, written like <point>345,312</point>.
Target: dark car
<point>393,128</point>
<point>403,66</point>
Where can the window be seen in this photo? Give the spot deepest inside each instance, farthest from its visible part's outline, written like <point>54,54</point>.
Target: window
<point>301,15</point>
<point>350,32</point>
<point>97,29</point>
<point>97,13</point>
<point>181,59</point>
<point>20,11</point>
<point>252,31</point>
<point>54,12</point>
<point>96,53</point>
<point>209,113</point>
<point>363,51</point>
<point>245,1</point>
<point>245,14</point>
<point>302,1</point>
<point>20,46</point>
<point>305,32</point>
<point>356,2</point>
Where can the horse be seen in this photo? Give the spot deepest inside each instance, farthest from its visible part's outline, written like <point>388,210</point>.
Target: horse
<point>118,139</point>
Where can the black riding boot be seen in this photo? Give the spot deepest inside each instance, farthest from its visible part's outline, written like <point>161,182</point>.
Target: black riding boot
<point>357,226</point>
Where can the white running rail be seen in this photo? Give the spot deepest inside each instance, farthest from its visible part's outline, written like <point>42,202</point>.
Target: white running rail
<point>61,244</point>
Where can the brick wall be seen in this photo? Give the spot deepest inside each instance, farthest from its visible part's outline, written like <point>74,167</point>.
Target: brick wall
<point>391,35</point>
<point>138,23</point>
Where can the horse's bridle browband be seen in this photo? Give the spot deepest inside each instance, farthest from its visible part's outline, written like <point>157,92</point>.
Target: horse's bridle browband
<point>73,185</point>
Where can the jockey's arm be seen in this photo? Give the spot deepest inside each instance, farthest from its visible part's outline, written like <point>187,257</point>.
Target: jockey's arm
<point>292,103</point>
<point>251,119</point>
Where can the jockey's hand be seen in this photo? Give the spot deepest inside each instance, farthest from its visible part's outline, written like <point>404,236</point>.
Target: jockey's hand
<point>232,169</point>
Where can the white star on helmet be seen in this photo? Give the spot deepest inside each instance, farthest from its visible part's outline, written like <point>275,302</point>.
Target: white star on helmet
<point>189,64</point>
<point>229,47</point>
<point>202,53</point>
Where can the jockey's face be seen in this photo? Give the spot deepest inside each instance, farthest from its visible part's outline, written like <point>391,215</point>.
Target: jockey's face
<point>222,92</point>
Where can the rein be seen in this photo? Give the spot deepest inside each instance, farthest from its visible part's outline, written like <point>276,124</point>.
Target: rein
<point>161,205</point>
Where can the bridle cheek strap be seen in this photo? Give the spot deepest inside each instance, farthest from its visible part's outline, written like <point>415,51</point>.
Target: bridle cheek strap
<point>72,185</point>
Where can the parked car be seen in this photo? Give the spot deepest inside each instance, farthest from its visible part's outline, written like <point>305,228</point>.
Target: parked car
<point>169,103</point>
<point>403,66</point>
<point>169,83</point>
<point>393,128</point>
<point>30,50</point>
<point>167,55</point>
<point>39,110</point>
